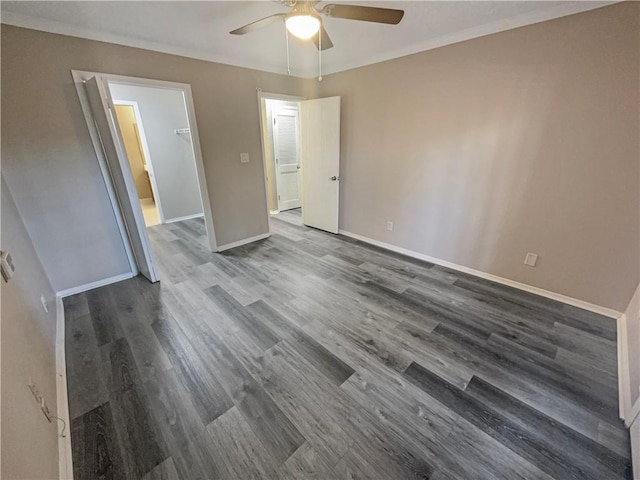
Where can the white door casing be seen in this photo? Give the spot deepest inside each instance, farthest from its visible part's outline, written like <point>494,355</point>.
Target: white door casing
<point>103,111</point>
<point>320,157</point>
<point>287,156</point>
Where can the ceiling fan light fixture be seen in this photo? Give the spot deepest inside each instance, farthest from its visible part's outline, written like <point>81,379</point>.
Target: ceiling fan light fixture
<point>303,26</point>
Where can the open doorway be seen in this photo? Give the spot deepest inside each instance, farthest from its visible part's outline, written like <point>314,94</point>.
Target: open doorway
<point>157,140</point>
<point>301,152</point>
<point>146,140</point>
<point>134,139</point>
<point>283,155</point>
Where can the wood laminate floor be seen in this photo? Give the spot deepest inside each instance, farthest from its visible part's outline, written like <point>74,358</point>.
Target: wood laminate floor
<point>309,355</point>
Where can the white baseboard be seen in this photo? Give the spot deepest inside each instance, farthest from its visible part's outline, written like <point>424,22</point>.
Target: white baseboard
<point>624,381</point>
<point>90,286</point>
<point>222,248</point>
<point>65,462</point>
<point>494,278</point>
<point>186,217</point>
<point>635,448</point>
<point>634,414</point>
<point>629,411</point>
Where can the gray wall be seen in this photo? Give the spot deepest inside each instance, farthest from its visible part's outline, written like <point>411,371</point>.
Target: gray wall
<point>162,111</point>
<point>29,441</point>
<point>521,141</point>
<point>49,160</point>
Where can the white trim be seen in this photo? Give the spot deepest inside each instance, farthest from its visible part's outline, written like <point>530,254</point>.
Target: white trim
<point>624,381</point>
<point>635,449</point>
<point>90,286</point>
<point>202,180</point>
<point>633,414</point>
<point>43,24</point>
<point>186,217</point>
<point>227,246</point>
<point>263,112</point>
<point>78,80</point>
<point>494,278</point>
<point>628,412</point>
<point>632,424</point>
<point>279,96</point>
<point>65,461</point>
<point>147,153</point>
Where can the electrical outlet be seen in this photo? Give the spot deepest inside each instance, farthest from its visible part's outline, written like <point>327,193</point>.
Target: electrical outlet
<point>390,226</point>
<point>244,158</point>
<point>531,259</point>
<point>43,301</point>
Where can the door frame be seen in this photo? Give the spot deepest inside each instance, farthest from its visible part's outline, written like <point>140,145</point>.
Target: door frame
<point>147,153</point>
<point>79,77</point>
<point>262,113</point>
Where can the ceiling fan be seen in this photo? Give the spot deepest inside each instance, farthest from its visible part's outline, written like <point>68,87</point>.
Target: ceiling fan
<point>305,22</point>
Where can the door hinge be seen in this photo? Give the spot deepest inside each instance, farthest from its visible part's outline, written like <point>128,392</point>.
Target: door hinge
<point>278,197</point>
<point>276,160</point>
<point>274,121</point>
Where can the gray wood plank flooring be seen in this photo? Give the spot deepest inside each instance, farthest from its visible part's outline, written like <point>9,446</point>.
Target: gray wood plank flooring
<point>314,356</point>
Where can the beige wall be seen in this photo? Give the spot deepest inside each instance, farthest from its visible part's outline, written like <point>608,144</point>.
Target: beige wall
<point>49,158</point>
<point>29,441</point>
<point>521,141</point>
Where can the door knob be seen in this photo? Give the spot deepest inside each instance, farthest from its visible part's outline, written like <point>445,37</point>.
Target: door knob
<point>334,178</point>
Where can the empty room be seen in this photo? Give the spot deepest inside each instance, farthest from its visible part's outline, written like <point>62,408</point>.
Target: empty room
<point>312,240</point>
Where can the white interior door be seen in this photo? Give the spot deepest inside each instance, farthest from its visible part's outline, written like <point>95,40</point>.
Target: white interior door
<point>286,122</point>
<point>115,155</point>
<point>320,156</point>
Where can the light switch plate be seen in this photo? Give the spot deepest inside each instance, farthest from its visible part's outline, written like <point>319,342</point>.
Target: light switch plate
<point>244,158</point>
<point>531,259</point>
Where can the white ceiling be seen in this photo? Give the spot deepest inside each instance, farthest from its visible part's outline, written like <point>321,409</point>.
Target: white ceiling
<point>201,29</point>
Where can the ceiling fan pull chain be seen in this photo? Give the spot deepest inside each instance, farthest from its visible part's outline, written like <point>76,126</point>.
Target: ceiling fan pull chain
<point>286,36</point>
<point>320,54</point>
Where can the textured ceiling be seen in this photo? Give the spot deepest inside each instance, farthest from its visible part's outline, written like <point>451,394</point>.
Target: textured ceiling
<point>201,29</point>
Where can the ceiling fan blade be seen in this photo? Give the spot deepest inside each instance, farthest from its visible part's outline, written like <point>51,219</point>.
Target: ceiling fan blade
<point>326,41</point>
<point>367,14</point>
<point>251,27</point>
